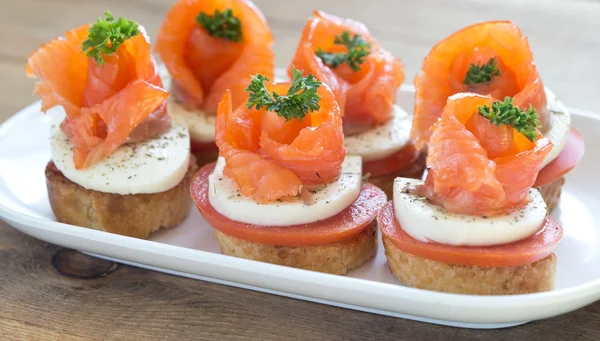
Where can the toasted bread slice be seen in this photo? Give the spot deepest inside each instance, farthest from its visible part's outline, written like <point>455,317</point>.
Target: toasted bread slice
<point>334,258</point>
<point>427,274</point>
<point>551,193</point>
<point>135,215</point>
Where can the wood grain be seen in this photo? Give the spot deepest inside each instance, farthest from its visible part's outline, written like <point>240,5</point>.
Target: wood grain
<point>37,302</point>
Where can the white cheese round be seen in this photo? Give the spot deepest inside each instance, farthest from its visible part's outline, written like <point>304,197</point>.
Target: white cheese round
<point>330,200</point>
<point>200,125</point>
<point>152,166</point>
<point>426,221</point>
<point>383,140</point>
<point>560,125</point>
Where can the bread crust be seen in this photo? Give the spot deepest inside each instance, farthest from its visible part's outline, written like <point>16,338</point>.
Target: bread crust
<point>386,182</point>
<point>135,215</point>
<point>551,193</point>
<point>427,274</point>
<point>334,258</point>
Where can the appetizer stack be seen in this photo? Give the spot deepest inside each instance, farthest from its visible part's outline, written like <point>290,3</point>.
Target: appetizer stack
<point>475,225</point>
<point>299,172</point>
<point>283,190</point>
<point>118,162</point>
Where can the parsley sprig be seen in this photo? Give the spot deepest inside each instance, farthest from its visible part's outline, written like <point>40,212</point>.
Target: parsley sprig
<point>525,122</point>
<point>358,49</point>
<point>477,73</point>
<point>222,25</point>
<point>301,97</point>
<point>106,35</point>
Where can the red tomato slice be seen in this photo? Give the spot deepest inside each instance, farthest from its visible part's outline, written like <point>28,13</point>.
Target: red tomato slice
<point>526,251</point>
<point>345,225</point>
<point>566,160</point>
<point>393,163</point>
<point>199,147</point>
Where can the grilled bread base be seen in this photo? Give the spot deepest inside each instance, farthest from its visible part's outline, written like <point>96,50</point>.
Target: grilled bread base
<point>134,215</point>
<point>334,258</point>
<point>427,274</point>
<point>551,193</point>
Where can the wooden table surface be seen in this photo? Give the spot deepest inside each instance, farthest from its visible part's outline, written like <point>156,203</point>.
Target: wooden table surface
<point>51,294</point>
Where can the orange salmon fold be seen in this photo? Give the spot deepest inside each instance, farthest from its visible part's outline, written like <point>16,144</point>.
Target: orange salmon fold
<point>367,96</point>
<point>476,167</point>
<point>270,158</point>
<point>203,67</point>
<point>106,106</point>
<point>445,68</point>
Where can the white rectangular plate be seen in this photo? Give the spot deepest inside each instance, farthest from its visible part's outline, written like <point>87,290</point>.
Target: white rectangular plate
<point>192,251</point>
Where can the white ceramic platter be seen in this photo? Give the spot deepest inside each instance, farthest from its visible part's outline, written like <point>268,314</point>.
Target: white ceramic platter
<point>191,250</point>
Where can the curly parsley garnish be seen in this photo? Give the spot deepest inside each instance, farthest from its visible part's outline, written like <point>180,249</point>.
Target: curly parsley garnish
<point>106,35</point>
<point>301,98</point>
<point>477,74</point>
<point>525,122</point>
<point>358,49</point>
<point>222,25</point>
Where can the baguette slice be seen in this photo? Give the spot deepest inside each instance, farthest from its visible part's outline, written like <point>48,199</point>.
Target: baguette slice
<point>135,215</point>
<point>427,274</point>
<point>551,193</point>
<point>334,258</point>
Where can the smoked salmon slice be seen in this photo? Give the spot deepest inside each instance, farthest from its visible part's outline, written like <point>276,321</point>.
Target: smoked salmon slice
<point>477,167</point>
<point>271,157</point>
<point>366,93</point>
<point>210,46</point>
<point>491,58</point>
<point>120,100</point>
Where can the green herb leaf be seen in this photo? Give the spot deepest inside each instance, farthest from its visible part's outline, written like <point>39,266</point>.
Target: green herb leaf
<point>106,35</point>
<point>358,49</point>
<point>223,25</point>
<point>477,74</point>
<point>525,122</point>
<point>301,98</point>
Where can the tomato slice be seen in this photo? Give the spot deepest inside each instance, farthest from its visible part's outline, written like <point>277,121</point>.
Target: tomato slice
<point>199,147</point>
<point>526,251</point>
<point>393,163</point>
<point>344,225</point>
<point>566,160</point>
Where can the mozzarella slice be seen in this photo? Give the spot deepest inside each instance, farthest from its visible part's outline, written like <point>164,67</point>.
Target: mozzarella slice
<point>381,141</point>
<point>152,166</point>
<point>200,125</point>
<point>560,125</point>
<point>426,221</point>
<point>333,198</point>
